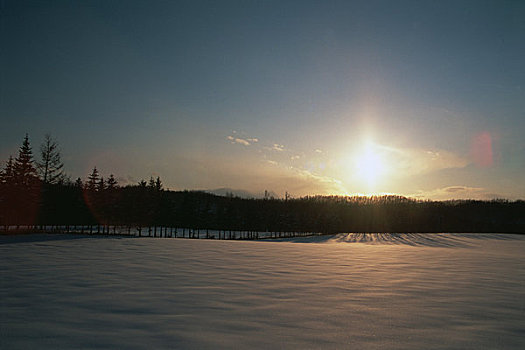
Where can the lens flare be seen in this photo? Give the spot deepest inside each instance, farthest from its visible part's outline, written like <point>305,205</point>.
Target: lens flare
<point>482,150</point>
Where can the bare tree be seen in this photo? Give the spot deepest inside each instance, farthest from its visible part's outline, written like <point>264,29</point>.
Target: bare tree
<point>50,168</point>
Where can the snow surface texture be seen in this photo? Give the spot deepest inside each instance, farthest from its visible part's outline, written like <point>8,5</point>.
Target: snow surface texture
<point>422,291</point>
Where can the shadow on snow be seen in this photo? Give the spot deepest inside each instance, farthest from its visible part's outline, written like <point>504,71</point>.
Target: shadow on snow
<point>412,239</point>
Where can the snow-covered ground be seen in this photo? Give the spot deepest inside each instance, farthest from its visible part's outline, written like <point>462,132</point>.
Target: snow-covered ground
<point>351,291</point>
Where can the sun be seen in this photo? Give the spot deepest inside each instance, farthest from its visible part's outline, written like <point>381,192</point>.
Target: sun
<point>369,166</point>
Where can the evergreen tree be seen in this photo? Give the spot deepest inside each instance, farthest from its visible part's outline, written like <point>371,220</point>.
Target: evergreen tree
<point>93,180</point>
<point>21,191</point>
<point>111,183</point>
<point>101,185</point>
<point>78,182</point>
<point>7,192</point>
<point>7,174</point>
<point>25,174</point>
<point>151,183</point>
<point>158,184</point>
<point>50,168</point>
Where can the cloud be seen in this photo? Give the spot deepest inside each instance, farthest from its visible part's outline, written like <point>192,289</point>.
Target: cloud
<point>300,182</point>
<point>274,171</point>
<point>257,175</point>
<point>453,189</point>
<point>277,147</point>
<point>421,161</point>
<point>439,159</point>
<point>457,192</point>
<point>241,141</point>
<point>306,182</point>
<point>245,141</point>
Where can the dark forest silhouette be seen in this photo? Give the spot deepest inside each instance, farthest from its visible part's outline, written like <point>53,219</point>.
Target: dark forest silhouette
<point>38,193</point>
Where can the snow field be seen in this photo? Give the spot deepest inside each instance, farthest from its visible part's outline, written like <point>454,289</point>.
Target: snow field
<point>442,291</point>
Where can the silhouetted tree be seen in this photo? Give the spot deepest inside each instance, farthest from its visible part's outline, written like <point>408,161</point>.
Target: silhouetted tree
<point>111,183</point>
<point>7,174</point>
<point>78,183</point>
<point>7,192</point>
<point>93,180</point>
<point>50,166</point>
<point>147,203</point>
<point>22,187</point>
<point>101,184</point>
<point>25,174</point>
<point>151,183</point>
<point>158,184</point>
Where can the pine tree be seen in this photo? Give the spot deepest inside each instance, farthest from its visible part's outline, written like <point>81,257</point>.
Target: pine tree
<point>7,192</point>
<point>151,183</point>
<point>21,194</point>
<point>78,182</point>
<point>7,174</point>
<point>158,184</point>
<point>101,185</point>
<point>25,174</point>
<point>93,180</point>
<point>111,183</point>
<point>50,166</point>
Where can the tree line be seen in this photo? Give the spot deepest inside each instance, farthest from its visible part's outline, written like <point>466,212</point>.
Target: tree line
<point>38,192</point>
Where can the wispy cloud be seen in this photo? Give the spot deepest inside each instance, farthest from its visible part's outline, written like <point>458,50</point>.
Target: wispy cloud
<point>411,161</point>
<point>314,183</point>
<point>242,142</point>
<point>277,147</point>
<point>239,138</point>
<point>457,192</point>
<point>439,159</point>
<point>245,142</point>
<point>299,173</point>
<point>300,182</point>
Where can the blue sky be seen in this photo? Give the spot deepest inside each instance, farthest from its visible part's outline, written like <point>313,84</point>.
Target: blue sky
<point>419,98</point>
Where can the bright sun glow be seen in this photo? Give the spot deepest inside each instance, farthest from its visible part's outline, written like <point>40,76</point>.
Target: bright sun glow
<point>370,166</point>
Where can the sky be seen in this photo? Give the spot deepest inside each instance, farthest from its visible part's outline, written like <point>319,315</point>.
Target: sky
<point>417,98</point>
